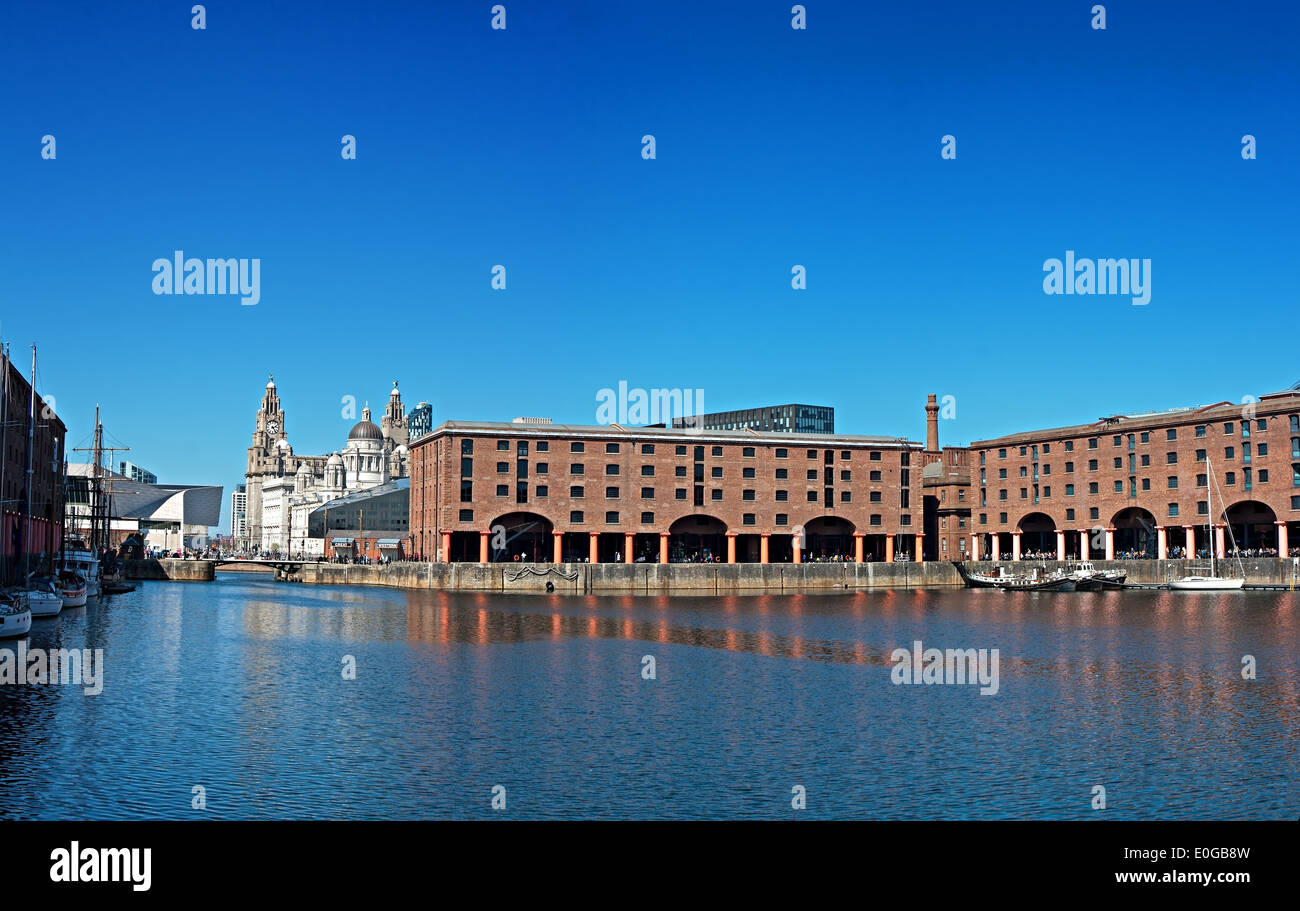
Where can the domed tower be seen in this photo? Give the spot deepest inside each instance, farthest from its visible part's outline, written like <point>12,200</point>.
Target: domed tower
<point>302,479</point>
<point>364,457</point>
<point>334,473</point>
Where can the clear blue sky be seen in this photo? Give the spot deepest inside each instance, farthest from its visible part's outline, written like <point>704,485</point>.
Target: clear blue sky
<point>775,147</point>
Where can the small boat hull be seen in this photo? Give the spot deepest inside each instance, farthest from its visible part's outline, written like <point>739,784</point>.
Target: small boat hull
<point>75,597</point>
<point>14,622</point>
<point>1056,584</point>
<point>42,604</point>
<point>1206,584</point>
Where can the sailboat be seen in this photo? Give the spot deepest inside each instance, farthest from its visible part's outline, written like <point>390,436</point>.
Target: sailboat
<point>1213,582</point>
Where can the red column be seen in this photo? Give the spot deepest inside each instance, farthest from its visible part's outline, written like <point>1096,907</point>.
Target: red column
<point>1015,545</point>
<point>857,546</point>
<point>920,548</point>
<point>762,548</point>
<point>483,546</point>
<point>975,547</point>
<point>595,553</point>
<point>559,545</point>
<point>1189,534</point>
<point>1083,544</point>
<point>889,548</point>
<point>1060,544</point>
<point>1162,543</point>
<point>1110,544</point>
<point>798,551</point>
<point>1220,549</point>
<point>1283,545</point>
<point>997,547</point>
<point>731,547</point>
<point>663,547</point>
<point>446,547</point>
<point>627,548</point>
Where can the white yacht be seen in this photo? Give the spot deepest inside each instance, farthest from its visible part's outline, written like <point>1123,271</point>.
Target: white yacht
<point>41,597</point>
<point>15,618</point>
<point>78,558</point>
<point>1213,582</point>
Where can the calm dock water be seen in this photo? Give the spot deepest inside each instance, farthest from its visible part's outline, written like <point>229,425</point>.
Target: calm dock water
<point>236,686</point>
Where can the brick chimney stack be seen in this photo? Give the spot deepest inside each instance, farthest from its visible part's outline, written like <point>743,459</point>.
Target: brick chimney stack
<point>931,424</point>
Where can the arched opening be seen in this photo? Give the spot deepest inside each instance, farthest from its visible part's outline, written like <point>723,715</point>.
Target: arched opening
<point>828,538</point>
<point>520,537</point>
<point>1037,536</point>
<point>1135,533</point>
<point>1254,528</point>
<point>697,539</point>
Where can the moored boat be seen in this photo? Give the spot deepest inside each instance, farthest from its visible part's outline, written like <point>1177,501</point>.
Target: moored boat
<point>1087,578</point>
<point>975,580</point>
<point>73,589</point>
<point>78,558</point>
<point>41,597</point>
<point>1206,584</point>
<point>15,618</point>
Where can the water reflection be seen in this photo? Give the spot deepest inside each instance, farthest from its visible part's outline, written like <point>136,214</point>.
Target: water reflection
<point>237,685</point>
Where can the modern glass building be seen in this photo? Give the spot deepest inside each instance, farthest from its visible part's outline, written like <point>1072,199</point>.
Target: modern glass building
<point>770,419</point>
<point>136,473</point>
<point>420,420</point>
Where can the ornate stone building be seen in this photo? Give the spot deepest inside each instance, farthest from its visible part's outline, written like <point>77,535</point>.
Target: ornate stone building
<point>284,487</point>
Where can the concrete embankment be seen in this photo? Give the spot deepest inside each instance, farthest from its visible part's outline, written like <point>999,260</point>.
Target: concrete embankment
<point>174,570</point>
<point>675,578</point>
<point>717,578</point>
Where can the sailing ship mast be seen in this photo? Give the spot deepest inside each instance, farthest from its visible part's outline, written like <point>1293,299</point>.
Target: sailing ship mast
<point>4,434</point>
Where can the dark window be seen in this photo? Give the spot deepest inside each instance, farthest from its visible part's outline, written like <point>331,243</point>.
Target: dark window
<point>503,445</point>
<point>647,449</point>
<point>611,493</point>
<point>467,515</point>
<point>680,471</point>
<point>716,471</point>
<point>748,452</point>
<point>467,491</point>
<point>503,467</point>
<point>680,493</point>
<point>647,471</point>
<point>543,467</point>
<point>747,519</point>
<point>466,447</point>
<point>503,490</point>
<point>647,518</point>
<point>647,493</point>
<point>543,446</point>
<point>466,468</point>
<point>575,517</point>
<point>748,494</point>
<point>782,519</point>
<point>781,454</point>
<point>577,468</point>
<point>611,469</point>
<point>681,450</point>
<point>717,451</point>
<point>611,447</point>
<point>543,491</point>
<point>715,494</point>
<point>577,447</point>
<point>611,517</point>
<point>577,492</point>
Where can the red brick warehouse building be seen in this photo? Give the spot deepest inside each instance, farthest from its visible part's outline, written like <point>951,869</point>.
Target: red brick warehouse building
<point>1140,484</point>
<point>484,492</point>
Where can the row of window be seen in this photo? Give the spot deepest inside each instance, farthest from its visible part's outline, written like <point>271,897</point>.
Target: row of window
<point>1202,509</point>
<point>1229,428</point>
<point>612,517</point>
<point>1171,458</point>
<point>748,452</point>
<point>1171,483</point>
<point>648,471</point>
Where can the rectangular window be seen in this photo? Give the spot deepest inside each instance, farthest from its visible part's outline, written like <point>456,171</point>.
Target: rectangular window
<point>679,493</point>
<point>543,467</point>
<point>748,519</point>
<point>611,493</point>
<point>1173,482</point>
<point>467,515</point>
<point>577,447</point>
<point>543,446</point>
<point>1173,509</point>
<point>611,517</point>
<point>543,491</point>
<point>467,491</point>
<point>503,467</point>
<point>647,471</point>
<point>782,474</point>
<point>611,469</point>
<point>781,454</point>
<point>717,451</point>
<point>611,447</point>
<point>747,452</point>
<point>467,468</point>
<point>1229,452</point>
<point>845,497</point>
<point>812,496</point>
<point>466,447</point>
<point>715,471</point>
<point>521,492</point>
<point>1171,434</point>
<point>681,450</point>
<point>1171,458</point>
<point>781,495</point>
<point>577,468</point>
<point>577,492</point>
<point>647,518</point>
<point>782,519</point>
<point>503,490</point>
<point>503,445</point>
<point>1069,445</point>
<point>748,494</point>
<point>647,493</point>
<point>647,449</point>
<point>521,448</point>
<point>575,517</point>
